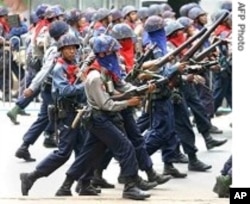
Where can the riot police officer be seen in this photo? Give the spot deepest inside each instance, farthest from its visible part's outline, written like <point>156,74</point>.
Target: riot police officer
<point>105,125</point>
<point>223,79</point>
<point>161,133</point>
<point>102,18</point>
<point>56,30</point>
<point>124,34</point>
<point>67,96</point>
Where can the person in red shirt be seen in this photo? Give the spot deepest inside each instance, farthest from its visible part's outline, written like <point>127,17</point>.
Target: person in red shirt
<point>124,34</point>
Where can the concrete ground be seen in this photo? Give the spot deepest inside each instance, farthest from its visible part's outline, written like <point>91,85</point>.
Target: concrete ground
<point>195,189</point>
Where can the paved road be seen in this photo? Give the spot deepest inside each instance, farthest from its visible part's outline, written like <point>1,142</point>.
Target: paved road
<point>196,188</point>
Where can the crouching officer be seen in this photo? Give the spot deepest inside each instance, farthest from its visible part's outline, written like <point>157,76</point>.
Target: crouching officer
<point>68,96</point>
<point>105,125</point>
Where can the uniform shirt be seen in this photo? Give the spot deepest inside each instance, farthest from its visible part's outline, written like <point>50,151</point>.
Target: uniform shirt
<point>61,86</point>
<point>97,96</point>
<point>168,68</point>
<point>48,61</point>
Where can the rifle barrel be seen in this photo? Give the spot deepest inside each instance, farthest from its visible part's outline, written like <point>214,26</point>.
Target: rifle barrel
<point>204,53</point>
<point>175,52</point>
<point>203,38</point>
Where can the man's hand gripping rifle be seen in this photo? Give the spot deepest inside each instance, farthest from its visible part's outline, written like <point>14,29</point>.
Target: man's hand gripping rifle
<point>142,90</point>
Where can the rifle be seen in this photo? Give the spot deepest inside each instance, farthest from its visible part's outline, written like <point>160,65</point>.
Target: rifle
<point>203,38</point>
<point>84,64</point>
<point>165,59</point>
<point>200,67</point>
<point>141,90</point>
<point>89,34</point>
<point>138,66</point>
<point>205,52</point>
<point>226,40</point>
<point>109,27</point>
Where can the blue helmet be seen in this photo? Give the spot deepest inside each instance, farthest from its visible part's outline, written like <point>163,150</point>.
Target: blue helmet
<point>59,9</point>
<point>68,40</point>
<point>186,7</point>
<point>104,43</point>
<point>116,14</point>
<point>195,12</point>
<point>155,9</point>
<point>40,10</point>
<point>121,31</point>
<point>168,14</point>
<point>154,23</point>
<point>218,14</point>
<point>51,12</point>
<point>3,11</point>
<point>101,14</point>
<point>143,13</point>
<point>128,9</point>
<point>226,5</point>
<point>89,13</point>
<point>33,18</point>
<point>73,16</point>
<point>172,27</point>
<point>185,21</point>
<point>166,7</point>
<point>58,28</point>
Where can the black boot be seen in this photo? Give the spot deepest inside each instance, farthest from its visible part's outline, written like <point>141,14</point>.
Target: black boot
<point>27,181</point>
<point>64,190</point>
<point>180,158</point>
<point>121,179</point>
<point>23,153</point>
<point>131,191</point>
<point>197,165</point>
<point>155,177</point>
<point>86,188</point>
<point>79,186</point>
<point>211,142</point>
<point>145,185</point>
<point>169,169</point>
<point>99,181</point>
<point>215,130</point>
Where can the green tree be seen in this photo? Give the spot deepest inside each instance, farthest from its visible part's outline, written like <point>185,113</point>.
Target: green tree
<point>176,4</point>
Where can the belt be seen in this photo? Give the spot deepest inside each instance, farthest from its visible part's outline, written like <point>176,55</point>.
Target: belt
<point>102,112</point>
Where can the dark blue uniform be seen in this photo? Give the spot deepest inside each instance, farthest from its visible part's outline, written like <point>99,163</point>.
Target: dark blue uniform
<point>223,79</point>
<point>42,120</point>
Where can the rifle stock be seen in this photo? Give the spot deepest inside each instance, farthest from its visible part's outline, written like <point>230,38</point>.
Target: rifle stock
<point>85,110</point>
<point>203,38</point>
